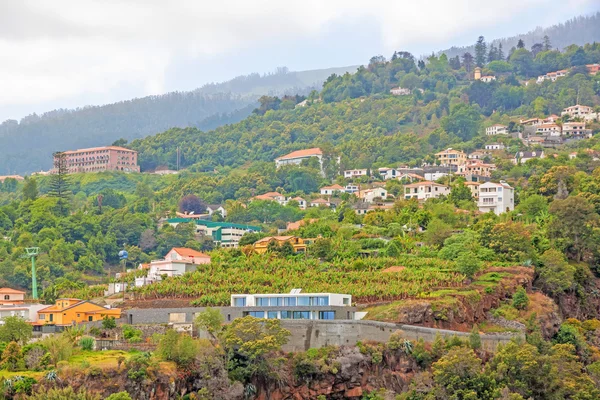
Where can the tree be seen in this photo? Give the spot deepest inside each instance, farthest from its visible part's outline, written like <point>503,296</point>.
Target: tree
<point>547,44</point>
<point>555,275</point>
<point>460,192</point>
<point>210,320</point>
<point>15,329</point>
<point>536,49</point>
<point>459,374</point>
<point>192,203</point>
<point>572,226</point>
<point>468,264</point>
<point>147,240</point>
<point>180,348</point>
<point>322,248</point>
<point>480,51</point>
<point>467,62</point>
<point>11,356</point>
<point>464,121</point>
<point>520,44</point>
<point>59,183</point>
<point>109,322</point>
<point>30,189</point>
<point>500,53</point>
<point>120,142</point>
<point>59,347</point>
<point>475,338</point>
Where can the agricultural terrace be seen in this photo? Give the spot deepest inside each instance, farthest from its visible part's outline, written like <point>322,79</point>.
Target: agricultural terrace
<point>364,279</point>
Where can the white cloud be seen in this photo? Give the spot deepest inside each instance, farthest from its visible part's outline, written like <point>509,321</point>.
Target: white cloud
<point>61,49</point>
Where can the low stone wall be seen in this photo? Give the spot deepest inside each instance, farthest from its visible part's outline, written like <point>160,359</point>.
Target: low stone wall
<point>315,334</point>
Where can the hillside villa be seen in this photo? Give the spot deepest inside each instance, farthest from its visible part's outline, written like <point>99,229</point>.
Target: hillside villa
<point>425,190</point>
<point>496,129</point>
<point>579,111</point>
<point>225,234</point>
<point>524,156</point>
<point>496,197</point>
<point>548,129</point>
<point>369,195</point>
<point>451,157</point>
<point>495,146</point>
<point>355,173</point>
<point>476,167</point>
<point>399,91</point>
<point>262,246</point>
<point>11,296</point>
<point>576,129</point>
<point>330,190</point>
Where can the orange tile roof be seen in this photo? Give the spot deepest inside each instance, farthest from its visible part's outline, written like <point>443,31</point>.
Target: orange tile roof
<point>302,153</point>
<point>185,252</point>
<point>424,183</point>
<point>99,148</point>
<point>278,238</point>
<point>548,126</point>
<point>335,187</point>
<point>319,201</point>
<point>6,290</point>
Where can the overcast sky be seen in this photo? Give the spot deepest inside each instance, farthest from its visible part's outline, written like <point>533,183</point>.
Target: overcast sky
<point>69,53</point>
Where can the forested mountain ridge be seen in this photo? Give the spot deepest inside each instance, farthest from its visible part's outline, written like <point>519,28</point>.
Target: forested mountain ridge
<point>579,31</point>
<point>207,108</point>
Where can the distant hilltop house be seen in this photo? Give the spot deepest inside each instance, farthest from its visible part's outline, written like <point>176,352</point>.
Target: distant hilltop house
<point>576,129</point>
<point>425,190</point>
<point>496,197</point>
<point>451,157</point>
<point>281,199</point>
<point>67,312</point>
<point>549,129</point>
<point>524,156</point>
<point>400,91</point>
<point>552,76</point>
<point>369,195</point>
<point>298,244</point>
<point>476,167</point>
<point>483,78</point>
<point>496,129</point>
<point>593,69</point>
<point>97,159</point>
<point>478,155</point>
<point>495,146</point>
<point>15,177</point>
<point>296,157</point>
<point>177,262</point>
<point>354,173</point>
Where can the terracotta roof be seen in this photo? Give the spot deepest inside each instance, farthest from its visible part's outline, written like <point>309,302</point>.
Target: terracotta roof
<point>424,183</point>
<point>472,183</point>
<point>334,187</point>
<point>6,290</point>
<point>302,153</point>
<point>278,238</point>
<point>319,201</point>
<point>548,126</point>
<point>99,148</point>
<point>16,177</point>
<point>185,252</point>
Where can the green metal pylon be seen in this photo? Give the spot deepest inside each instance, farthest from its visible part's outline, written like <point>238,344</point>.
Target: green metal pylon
<point>32,252</point>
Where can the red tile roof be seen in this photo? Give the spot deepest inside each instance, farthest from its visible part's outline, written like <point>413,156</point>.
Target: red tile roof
<point>185,252</point>
<point>6,290</point>
<point>302,153</point>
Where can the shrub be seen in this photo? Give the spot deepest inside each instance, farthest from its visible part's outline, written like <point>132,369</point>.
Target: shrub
<point>178,347</point>
<point>475,338</point>
<point>87,343</point>
<point>131,334</point>
<point>468,264</point>
<point>137,366</point>
<point>11,356</point>
<point>24,385</point>
<point>94,331</point>
<point>119,396</point>
<point>59,348</point>
<point>520,299</point>
<point>109,322</point>
<point>62,394</point>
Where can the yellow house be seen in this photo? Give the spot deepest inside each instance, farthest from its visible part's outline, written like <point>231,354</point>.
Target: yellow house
<point>261,246</point>
<point>451,157</point>
<point>74,311</point>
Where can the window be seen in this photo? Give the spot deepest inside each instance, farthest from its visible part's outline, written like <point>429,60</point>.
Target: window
<point>289,301</point>
<point>51,317</point>
<point>286,315</point>
<point>262,301</point>
<point>6,297</point>
<point>303,301</point>
<point>301,314</point>
<point>323,301</point>
<point>228,317</point>
<point>239,302</point>
<point>326,314</point>
<point>276,301</point>
<point>78,315</point>
<point>42,316</point>
<point>90,318</point>
<point>257,314</point>
<point>346,301</point>
<point>272,315</point>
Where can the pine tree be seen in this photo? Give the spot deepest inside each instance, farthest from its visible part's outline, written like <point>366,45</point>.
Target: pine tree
<point>59,184</point>
<point>547,44</point>
<point>468,62</point>
<point>480,52</point>
<point>500,52</point>
<point>520,44</point>
<point>30,189</point>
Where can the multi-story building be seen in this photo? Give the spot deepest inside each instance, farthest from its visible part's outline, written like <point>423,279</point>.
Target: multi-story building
<point>577,111</point>
<point>425,190</point>
<point>548,129</point>
<point>451,157</point>
<point>478,155</point>
<point>474,187</point>
<point>496,197</point>
<point>496,129</point>
<point>524,156</point>
<point>29,312</point>
<point>369,195</point>
<point>552,76</point>
<point>476,167</point>
<point>97,159</point>
<point>225,234</point>
<point>295,305</point>
<point>355,173</point>
<point>576,129</point>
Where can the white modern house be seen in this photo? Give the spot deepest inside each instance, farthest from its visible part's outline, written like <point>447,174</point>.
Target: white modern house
<point>213,208</point>
<point>177,262</point>
<point>425,190</point>
<point>29,312</point>
<point>549,129</point>
<point>496,129</point>
<point>369,195</point>
<point>351,188</point>
<point>296,157</point>
<point>295,305</point>
<point>578,111</point>
<point>576,129</point>
<point>495,146</point>
<point>496,197</point>
<point>355,173</point>
<point>388,173</point>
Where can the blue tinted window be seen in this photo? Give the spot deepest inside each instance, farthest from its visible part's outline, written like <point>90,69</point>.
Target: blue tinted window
<point>262,301</point>
<point>289,301</point>
<point>257,314</point>
<point>286,315</point>
<point>239,302</point>
<point>272,315</point>
<point>275,301</point>
<point>301,314</point>
<point>326,314</point>
<point>303,301</point>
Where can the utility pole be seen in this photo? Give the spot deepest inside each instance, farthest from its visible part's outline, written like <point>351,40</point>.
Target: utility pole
<point>123,256</point>
<point>32,252</point>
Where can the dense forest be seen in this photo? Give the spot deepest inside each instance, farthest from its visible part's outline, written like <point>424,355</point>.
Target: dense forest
<point>206,108</point>
<point>579,31</point>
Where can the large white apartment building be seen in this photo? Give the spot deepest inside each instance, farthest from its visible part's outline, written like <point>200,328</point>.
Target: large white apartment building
<point>496,197</point>
<point>496,129</point>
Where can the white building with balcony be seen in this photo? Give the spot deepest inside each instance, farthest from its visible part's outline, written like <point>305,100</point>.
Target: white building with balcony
<point>496,197</point>
<point>355,173</point>
<point>425,190</point>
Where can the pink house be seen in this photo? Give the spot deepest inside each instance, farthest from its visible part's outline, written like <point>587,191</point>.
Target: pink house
<point>11,296</point>
<point>188,255</point>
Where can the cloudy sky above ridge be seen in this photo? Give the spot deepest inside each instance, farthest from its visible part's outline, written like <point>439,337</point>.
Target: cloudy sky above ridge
<point>69,53</point>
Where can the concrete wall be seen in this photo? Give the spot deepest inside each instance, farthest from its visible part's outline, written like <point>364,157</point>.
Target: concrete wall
<point>315,334</point>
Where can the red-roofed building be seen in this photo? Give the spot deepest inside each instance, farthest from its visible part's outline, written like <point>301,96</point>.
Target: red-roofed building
<point>296,157</point>
<point>329,190</point>
<point>425,190</point>
<point>188,255</point>
<point>11,296</point>
<point>96,159</point>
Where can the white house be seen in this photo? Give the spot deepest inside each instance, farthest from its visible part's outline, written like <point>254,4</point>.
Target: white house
<point>319,203</point>
<point>351,189</point>
<point>575,129</point>
<point>188,255</point>
<point>11,296</point>
<point>400,91</point>
<point>27,311</point>
<point>487,78</point>
<point>213,208</point>
<point>177,262</point>
<point>330,190</point>
<point>355,173</point>
<point>425,190</point>
<point>496,197</point>
<point>552,76</point>
<point>524,156</point>
<point>496,129</point>
<point>370,195</point>
<point>478,155</point>
<point>434,176</point>
<point>296,157</point>
<point>495,146</point>
<point>577,111</point>
<point>301,202</point>
<point>388,173</point>
<point>548,129</point>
